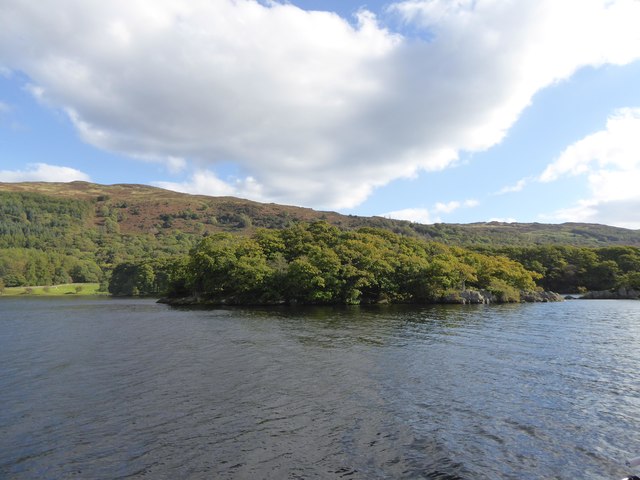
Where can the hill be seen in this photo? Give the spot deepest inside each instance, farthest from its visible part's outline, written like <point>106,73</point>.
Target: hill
<point>56,233</point>
<point>142,210</point>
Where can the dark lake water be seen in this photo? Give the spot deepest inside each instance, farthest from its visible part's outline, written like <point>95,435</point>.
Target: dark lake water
<point>103,389</point>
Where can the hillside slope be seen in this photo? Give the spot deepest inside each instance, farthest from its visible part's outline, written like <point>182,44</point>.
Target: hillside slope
<point>140,209</point>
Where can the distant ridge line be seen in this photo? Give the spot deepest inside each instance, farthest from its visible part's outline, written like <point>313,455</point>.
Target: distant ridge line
<point>144,209</point>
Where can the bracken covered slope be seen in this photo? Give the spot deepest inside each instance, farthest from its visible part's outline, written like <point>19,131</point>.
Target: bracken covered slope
<point>141,209</point>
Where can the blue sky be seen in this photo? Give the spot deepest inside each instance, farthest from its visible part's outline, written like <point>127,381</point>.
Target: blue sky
<point>427,110</point>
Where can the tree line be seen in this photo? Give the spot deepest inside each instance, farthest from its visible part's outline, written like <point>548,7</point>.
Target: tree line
<point>576,269</point>
<point>320,264</point>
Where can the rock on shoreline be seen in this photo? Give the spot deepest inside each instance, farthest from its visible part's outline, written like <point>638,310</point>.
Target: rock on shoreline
<point>463,297</point>
<point>622,293</point>
<point>485,297</point>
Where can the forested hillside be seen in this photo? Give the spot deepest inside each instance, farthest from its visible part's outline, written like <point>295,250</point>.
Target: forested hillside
<point>53,233</point>
<point>141,209</point>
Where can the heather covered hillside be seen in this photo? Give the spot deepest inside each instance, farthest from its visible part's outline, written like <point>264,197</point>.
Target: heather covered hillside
<point>142,209</point>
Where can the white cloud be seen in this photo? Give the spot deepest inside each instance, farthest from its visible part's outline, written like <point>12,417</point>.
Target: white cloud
<point>517,187</point>
<point>610,161</point>
<point>447,207</point>
<point>416,215</point>
<point>318,111</point>
<point>618,146</point>
<point>205,182</point>
<point>423,215</point>
<point>176,164</point>
<point>4,108</point>
<point>454,205</point>
<point>41,172</point>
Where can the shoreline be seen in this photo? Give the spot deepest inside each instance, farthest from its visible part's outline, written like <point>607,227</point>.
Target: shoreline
<point>464,297</point>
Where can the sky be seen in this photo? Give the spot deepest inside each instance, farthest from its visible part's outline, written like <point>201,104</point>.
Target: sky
<point>432,111</point>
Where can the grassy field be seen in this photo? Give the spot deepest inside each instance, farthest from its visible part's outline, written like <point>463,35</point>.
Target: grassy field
<point>54,290</point>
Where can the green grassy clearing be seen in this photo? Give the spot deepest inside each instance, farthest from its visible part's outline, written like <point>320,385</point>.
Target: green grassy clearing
<point>54,290</point>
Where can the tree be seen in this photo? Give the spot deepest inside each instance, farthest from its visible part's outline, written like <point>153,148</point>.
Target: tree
<point>630,280</point>
<point>228,268</point>
<point>129,279</point>
<point>304,283</point>
<point>85,272</point>
<point>603,276</point>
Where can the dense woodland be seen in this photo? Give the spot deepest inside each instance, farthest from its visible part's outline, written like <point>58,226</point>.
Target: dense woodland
<point>47,241</point>
<point>148,241</point>
<point>320,264</point>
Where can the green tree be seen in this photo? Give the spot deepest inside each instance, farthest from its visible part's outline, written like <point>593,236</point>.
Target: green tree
<point>629,280</point>
<point>129,279</point>
<point>228,268</point>
<point>603,275</point>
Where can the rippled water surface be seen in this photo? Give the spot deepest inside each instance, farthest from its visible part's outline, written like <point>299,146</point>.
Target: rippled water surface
<point>102,388</point>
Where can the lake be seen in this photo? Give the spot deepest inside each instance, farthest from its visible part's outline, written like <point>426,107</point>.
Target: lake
<point>99,388</point>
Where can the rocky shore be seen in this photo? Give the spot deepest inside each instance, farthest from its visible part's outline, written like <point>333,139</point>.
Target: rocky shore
<point>463,297</point>
<point>485,297</point>
<point>621,293</point>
